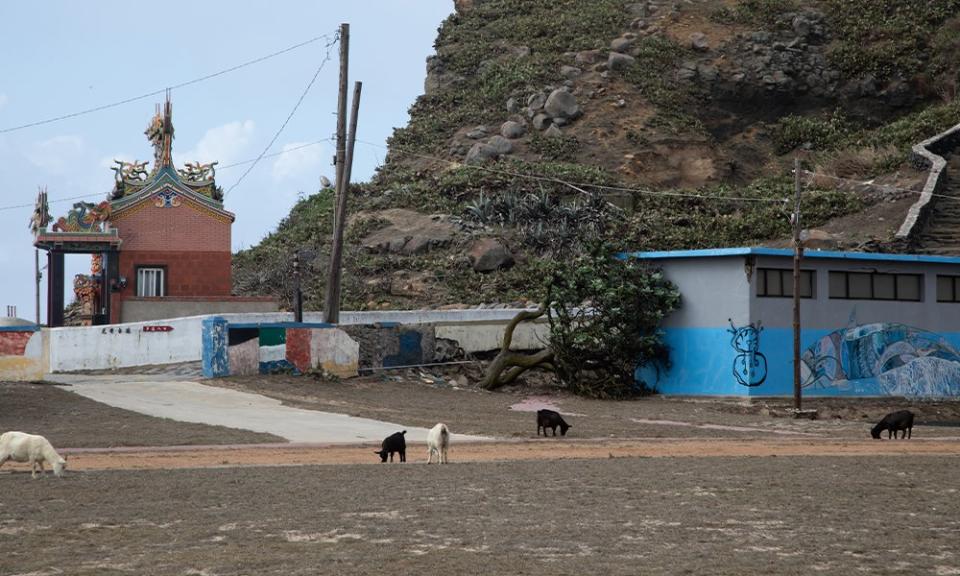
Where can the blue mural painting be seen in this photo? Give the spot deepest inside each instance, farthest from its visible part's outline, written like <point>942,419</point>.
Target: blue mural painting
<point>882,359</point>
<point>749,365</point>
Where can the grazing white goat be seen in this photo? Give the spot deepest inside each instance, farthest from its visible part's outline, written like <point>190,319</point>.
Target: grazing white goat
<point>36,450</point>
<point>438,440</point>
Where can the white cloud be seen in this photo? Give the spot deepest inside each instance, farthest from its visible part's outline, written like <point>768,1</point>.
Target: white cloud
<point>298,160</point>
<point>57,153</point>
<point>225,144</point>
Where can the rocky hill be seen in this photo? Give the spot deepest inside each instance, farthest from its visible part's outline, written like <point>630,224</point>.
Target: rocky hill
<point>653,125</point>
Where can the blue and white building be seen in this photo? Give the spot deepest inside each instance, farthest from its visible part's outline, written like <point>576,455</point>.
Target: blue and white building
<point>872,324</point>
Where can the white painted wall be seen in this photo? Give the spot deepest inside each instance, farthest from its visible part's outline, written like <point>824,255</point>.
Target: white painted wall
<point>484,337</point>
<point>96,348</point>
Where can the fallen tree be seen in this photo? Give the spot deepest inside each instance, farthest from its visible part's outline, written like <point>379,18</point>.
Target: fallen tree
<point>605,315</point>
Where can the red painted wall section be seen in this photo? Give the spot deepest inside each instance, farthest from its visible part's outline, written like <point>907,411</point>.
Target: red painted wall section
<point>15,343</point>
<point>181,228</point>
<point>298,348</point>
<point>190,242</point>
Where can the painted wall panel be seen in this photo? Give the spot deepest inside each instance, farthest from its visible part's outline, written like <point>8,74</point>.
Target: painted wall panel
<point>335,351</point>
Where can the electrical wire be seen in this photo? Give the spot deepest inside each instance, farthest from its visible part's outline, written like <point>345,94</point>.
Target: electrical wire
<point>576,185</point>
<point>227,167</point>
<point>306,90</point>
<point>162,90</point>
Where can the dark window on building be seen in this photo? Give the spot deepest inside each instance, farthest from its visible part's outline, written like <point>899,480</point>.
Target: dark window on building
<point>778,283</point>
<point>151,282</point>
<point>876,286</point>
<point>948,288</point>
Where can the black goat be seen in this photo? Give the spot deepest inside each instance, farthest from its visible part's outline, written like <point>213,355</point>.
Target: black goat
<point>892,422</point>
<point>393,443</point>
<point>550,419</point>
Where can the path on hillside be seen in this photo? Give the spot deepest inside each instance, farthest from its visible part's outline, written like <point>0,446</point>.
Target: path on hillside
<point>941,233</point>
<point>167,397</point>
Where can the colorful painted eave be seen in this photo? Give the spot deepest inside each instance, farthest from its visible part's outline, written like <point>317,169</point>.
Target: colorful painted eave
<point>788,253</point>
<point>165,178</point>
<point>77,240</point>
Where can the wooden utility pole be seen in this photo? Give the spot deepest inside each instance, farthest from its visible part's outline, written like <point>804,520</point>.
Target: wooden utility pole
<point>797,254</point>
<point>340,221</point>
<point>331,310</point>
<point>297,293</point>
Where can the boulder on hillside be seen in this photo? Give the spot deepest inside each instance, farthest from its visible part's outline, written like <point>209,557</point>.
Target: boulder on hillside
<point>407,232</point>
<point>699,42</point>
<point>500,144</point>
<point>512,130</point>
<point>489,255</point>
<point>481,153</point>
<point>621,44</point>
<point>562,104</point>
<point>618,61</point>
<point>570,72</point>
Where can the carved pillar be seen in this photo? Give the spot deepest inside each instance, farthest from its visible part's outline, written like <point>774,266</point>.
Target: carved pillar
<point>111,275</point>
<point>55,286</point>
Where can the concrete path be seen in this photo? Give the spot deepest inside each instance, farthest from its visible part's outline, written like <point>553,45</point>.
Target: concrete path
<point>166,397</point>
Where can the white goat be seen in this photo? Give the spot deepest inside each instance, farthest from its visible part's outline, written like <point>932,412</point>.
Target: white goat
<point>36,450</point>
<point>438,440</point>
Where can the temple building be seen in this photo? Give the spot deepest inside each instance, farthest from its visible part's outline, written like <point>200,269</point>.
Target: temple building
<point>160,242</point>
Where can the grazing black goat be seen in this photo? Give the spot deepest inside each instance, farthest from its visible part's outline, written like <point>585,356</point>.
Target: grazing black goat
<point>393,443</point>
<point>550,419</point>
<point>892,422</point>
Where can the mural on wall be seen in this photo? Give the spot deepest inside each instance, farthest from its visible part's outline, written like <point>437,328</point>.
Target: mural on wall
<point>749,365</point>
<point>882,359</point>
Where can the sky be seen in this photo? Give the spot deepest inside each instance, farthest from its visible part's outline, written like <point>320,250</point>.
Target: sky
<point>60,57</point>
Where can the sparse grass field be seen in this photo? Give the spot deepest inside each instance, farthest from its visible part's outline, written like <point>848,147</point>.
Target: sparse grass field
<point>591,503</point>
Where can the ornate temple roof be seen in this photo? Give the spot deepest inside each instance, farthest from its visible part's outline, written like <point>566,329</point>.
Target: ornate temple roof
<point>86,225</point>
<point>195,183</point>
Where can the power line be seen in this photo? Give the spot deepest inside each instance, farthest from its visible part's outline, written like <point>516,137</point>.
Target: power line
<point>227,167</point>
<point>577,185</point>
<point>280,153</point>
<point>162,90</point>
<point>326,59</point>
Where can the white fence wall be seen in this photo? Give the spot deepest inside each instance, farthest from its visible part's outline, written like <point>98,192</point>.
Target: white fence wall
<point>128,345</point>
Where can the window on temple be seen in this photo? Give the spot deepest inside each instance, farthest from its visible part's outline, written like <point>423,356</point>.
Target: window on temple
<point>876,286</point>
<point>778,282</point>
<point>150,282</point>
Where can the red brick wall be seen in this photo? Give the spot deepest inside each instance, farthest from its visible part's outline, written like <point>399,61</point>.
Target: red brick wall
<point>182,229</point>
<point>15,343</point>
<point>187,273</point>
<point>192,244</point>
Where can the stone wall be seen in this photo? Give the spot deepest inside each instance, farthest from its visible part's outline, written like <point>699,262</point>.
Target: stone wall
<point>928,154</point>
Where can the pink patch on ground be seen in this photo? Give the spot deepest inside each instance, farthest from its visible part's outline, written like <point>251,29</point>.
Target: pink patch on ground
<point>534,403</point>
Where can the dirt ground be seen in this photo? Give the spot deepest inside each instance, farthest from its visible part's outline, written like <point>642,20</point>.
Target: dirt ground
<point>417,398</point>
<point>802,515</point>
<point>652,486</point>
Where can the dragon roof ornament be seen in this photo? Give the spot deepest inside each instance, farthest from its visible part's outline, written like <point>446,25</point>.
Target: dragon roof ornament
<point>132,178</point>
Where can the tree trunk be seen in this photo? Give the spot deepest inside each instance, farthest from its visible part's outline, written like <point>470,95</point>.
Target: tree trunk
<point>508,365</point>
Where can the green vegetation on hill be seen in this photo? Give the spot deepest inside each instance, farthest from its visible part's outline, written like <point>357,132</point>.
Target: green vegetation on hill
<point>477,47</point>
<point>690,161</point>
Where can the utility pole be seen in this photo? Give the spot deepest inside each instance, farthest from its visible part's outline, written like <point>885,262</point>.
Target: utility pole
<point>297,293</point>
<point>37,277</point>
<point>331,310</point>
<point>336,253</point>
<point>797,254</point>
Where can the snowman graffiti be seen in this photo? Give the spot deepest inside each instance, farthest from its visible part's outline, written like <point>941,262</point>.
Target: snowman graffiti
<point>749,365</point>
